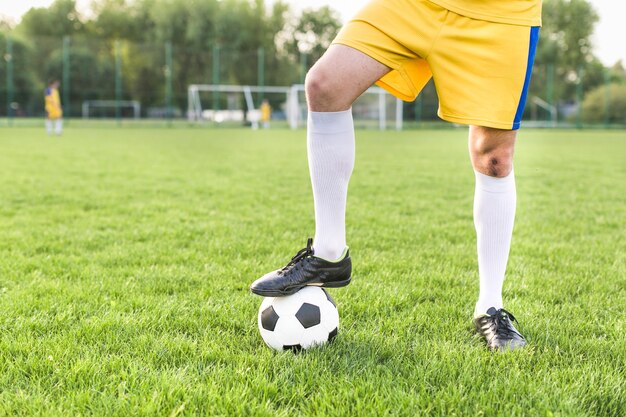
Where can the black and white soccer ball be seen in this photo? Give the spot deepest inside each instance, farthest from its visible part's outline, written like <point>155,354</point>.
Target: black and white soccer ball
<point>305,319</point>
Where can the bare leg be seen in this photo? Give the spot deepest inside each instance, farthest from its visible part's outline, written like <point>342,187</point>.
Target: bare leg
<point>340,77</point>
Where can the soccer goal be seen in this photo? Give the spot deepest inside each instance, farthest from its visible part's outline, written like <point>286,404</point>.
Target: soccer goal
<point>374,109</point>
<point>108,108</point>
<point>223,104</point>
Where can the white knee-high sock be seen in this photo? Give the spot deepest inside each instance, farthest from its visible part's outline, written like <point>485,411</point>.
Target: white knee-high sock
<point>330,144</point>
<point>58,126</point>
<point>494,214</point>
<point>49,126</point>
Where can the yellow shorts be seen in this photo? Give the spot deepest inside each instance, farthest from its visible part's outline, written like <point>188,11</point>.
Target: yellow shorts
<point>481,69</point>
<point>53,113</point>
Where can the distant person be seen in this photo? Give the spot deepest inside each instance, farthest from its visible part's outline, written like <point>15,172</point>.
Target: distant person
<point>54,111</point>
<point>480,54</point>
<point>266,113</point>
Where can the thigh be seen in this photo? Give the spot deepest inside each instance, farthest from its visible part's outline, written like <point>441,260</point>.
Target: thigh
<point>344,73</point>
<point>398,34</point>
<point>482,70</point>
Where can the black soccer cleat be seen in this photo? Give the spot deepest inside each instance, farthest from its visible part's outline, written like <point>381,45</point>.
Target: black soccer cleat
<point>304,269</point>
<point>497,328</point>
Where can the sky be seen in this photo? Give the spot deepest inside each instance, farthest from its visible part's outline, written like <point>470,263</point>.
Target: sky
<point>608,38</point>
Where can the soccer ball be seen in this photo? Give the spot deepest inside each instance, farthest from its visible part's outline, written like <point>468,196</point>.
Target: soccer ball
<point>299,321</point>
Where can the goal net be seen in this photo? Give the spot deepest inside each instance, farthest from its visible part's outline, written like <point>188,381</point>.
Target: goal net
<point>237,104</point>
<point>232,104</point>
<point>108,108</point>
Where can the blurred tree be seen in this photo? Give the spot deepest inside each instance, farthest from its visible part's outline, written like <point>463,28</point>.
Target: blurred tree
<point>244,33</point>
<point>27,87</point>
<point>236,29</point>
<point>564,47</point>
<point>60,19</point>
<point>118,19</point>
<point>91,75</point>
<point>566,32</point>
<point>313,33</point>
<point>243,29</point>
<point>595,104</point>
<point>44,29</point>
<point>617,73</point>
<point>5,24</point>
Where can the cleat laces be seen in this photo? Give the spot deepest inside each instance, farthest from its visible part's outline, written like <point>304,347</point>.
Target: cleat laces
<point>502,321</point>
<point>302,254</point>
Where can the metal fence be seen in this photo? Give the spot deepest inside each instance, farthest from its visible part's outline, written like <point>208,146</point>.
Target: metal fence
<point>120,77</point>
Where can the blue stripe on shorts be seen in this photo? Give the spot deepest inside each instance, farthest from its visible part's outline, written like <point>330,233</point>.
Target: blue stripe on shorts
<point>532,48</point>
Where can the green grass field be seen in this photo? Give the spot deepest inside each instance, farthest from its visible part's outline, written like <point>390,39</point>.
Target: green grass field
<point>126,255</point>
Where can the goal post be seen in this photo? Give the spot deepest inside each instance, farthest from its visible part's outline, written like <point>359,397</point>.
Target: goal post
<point>90,105</point>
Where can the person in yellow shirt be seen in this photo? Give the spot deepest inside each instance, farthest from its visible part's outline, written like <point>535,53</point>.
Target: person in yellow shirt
<point>266,113</point>
<point>54,111</point>
<point>480,55</point>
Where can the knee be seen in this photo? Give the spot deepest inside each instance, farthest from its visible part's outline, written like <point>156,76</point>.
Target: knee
<point>319,89</point>
<point>495,164</point>
<point>492,152</point>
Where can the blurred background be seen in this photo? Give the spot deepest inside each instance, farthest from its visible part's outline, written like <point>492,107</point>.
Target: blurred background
<point>136,62</point>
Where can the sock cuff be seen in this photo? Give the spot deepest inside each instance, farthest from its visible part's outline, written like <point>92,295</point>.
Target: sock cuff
<point>495,184</point>
<point>330,123</point>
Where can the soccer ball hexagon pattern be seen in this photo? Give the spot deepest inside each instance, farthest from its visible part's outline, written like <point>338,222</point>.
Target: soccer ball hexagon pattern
<point>305,319</point>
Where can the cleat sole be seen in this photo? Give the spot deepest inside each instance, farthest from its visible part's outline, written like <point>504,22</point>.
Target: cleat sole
<point>335,284</point>
<point>292,290</point>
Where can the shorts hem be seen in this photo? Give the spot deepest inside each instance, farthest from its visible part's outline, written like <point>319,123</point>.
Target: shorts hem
<point>477,122</point>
